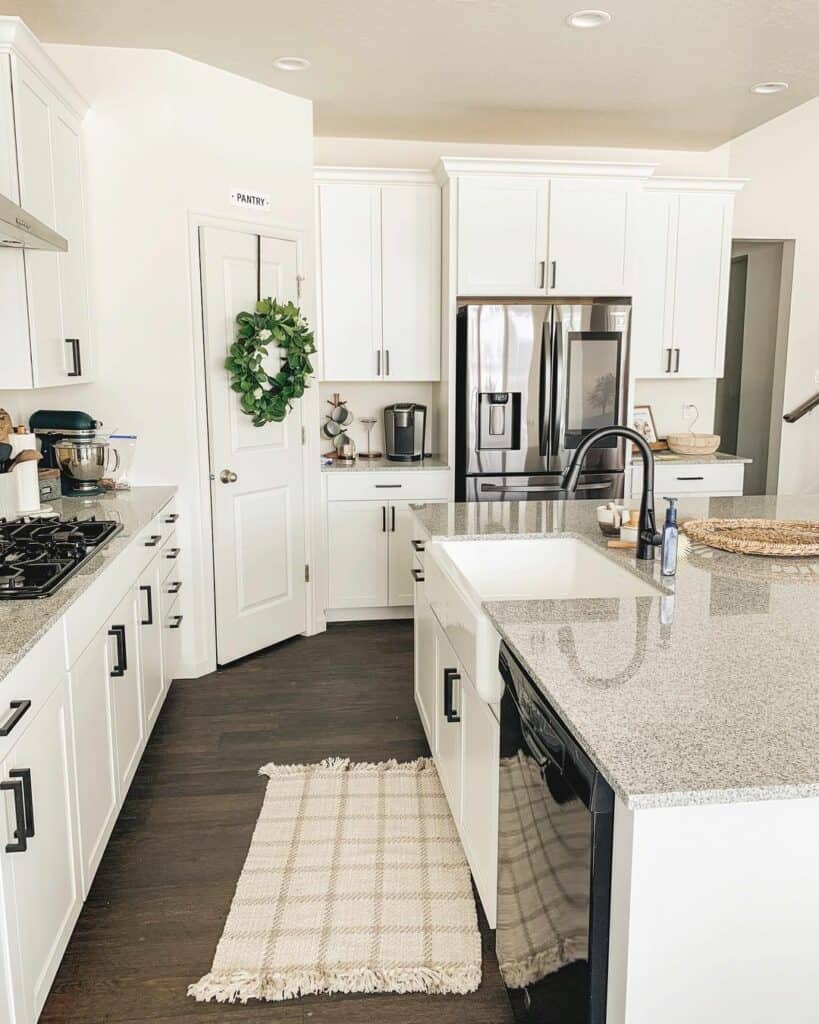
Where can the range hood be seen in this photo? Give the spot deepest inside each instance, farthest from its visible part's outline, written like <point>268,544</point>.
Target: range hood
<point>20,230</point>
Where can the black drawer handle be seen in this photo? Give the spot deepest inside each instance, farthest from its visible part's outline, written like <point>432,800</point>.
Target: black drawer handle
<point>172,553</point>
<point>417,575</point>
<point>121,666</point>
<point>177,622</point>
<point>172,518</point>
<point>24,775</point>
<point>153,540</point>
<point>690,477</point>
<point>149,621</point>
<point>388,487</point>
<point>20,707</point>
<point>16,787</point>
<point>76,359</point>
<point>175,587</point>
<point>419,545</point>
<point>450,675</point>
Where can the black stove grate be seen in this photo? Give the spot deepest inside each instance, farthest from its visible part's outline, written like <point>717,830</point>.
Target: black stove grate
<point>37,557</point>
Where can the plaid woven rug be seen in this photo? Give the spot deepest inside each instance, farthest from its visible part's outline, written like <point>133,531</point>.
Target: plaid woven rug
<point>355,881</point>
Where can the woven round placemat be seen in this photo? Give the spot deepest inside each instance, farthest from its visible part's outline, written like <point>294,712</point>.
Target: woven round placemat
<point>776,538</point>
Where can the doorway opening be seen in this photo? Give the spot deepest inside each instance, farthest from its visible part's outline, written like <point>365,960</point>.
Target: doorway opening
<point>749,397</point>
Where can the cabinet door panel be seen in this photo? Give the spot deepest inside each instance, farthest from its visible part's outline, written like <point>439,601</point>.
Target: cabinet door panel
<point>349,238</point>
<point>502,236</point>
<point>425,673</point>
<point>480,738</point>
<point>411,281</point>
<point>357,554</point>
<point>588,237</point>
<point>92,716</point>
<point>43,883</point>
<point>703,232</point>
<point>448,733</point>
<point>126,691</point>
<point>651,325</point>
<point>150,641</point>
<point>400,553</point>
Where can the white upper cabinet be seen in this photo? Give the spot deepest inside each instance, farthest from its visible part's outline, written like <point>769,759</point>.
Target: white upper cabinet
<point>684,258</point>
<point>379,243</point>
<point>45,294</point>
<point>502,235</point>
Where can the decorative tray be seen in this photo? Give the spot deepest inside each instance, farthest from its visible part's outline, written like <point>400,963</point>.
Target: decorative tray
<point>774,538</point>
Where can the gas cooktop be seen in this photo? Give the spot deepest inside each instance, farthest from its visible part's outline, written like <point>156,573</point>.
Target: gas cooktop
<point>37,557</point>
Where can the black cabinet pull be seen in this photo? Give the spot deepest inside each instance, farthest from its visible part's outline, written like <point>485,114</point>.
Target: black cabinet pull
<point>450,675</point>
<point>419,545</point>
<point>392,523</point>
<point>16,787</point>
<point>149,621</point>
<point>690,477</point>
<point>172,518</point>
<point>383,518</point>
<point>121,666</point>
<point>417,575</point>
<point>24,775</point>
<point>153,540</point>
<point>388,487</point>
<point>76,358</point>
<point>175,587</point>
<point>20,707</point>
<point>177,622</point>
<point>172,553</point>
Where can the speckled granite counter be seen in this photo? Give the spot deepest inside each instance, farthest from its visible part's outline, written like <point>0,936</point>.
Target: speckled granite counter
<point>22,623</point>
<point>700,460</point>
<point>706,693</point>
<point>370,465</point>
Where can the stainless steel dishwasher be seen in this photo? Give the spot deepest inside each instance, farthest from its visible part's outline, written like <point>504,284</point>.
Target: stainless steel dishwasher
<point>554,862</point>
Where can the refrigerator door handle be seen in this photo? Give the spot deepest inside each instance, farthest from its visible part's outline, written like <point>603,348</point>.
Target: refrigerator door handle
<point>543,488</point>
<point>556,428</point>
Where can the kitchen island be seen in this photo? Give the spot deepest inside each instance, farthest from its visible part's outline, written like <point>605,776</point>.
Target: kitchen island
<point>697,701</point>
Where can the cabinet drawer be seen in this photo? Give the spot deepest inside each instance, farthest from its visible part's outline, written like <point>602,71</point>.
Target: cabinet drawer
<point>170,556</point>
<point>167,520</point>
<point>27,687</point>
<point>408,485</point>
<point>710,478</point>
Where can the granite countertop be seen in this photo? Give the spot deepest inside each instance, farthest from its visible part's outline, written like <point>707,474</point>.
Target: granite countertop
<point>23,623</point>
<point>699,460</point>
<point>370,465</point>
<point>706,693</point>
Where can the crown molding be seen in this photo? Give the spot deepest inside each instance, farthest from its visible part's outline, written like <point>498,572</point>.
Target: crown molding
<point>724,185</point>
<point>17,38</point>
<point>450,167</point>
<point>373,175</point>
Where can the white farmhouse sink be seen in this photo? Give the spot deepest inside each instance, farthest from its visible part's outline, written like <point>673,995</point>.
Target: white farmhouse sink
<point>461,575</point>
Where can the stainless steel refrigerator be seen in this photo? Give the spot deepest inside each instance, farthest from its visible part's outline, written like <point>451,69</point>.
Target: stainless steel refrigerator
<point>532,380</point>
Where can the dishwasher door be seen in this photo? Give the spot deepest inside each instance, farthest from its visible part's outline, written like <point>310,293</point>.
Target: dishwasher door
<point>554,862</point>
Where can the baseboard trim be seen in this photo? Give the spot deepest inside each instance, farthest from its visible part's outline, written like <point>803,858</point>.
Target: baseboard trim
<point>368,614</point>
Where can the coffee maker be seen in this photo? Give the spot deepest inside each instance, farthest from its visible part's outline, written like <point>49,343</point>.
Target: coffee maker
<point>53,427</point>
<point>405,428</point>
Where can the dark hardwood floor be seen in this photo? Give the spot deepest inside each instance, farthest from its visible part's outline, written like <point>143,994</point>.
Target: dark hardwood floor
<point>162,893</point>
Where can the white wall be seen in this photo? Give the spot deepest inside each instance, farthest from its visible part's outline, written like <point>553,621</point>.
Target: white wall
<point>369,399</point>
<point>167,136</point>
<point>781,159</point>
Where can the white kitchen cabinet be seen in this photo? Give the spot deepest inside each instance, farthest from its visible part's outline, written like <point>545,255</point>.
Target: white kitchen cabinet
<point>683,267</point>
<point>357,554</point>
<point>45,294</point>
<point>40,870</point>
<point>448,708</point>
<point>591,223</point>
<point>150,640</point>
<point>95,756</point>
<point>707,479</point>
<point>502,235</point>
<point>379,244</point>
<point>424,664</point>
<point>126,689</point>
<point>400,560</point>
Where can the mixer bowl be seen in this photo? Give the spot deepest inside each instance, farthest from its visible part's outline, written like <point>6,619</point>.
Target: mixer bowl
<point>85,462</point>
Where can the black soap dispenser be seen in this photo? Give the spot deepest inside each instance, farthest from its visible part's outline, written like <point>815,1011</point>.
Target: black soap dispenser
<point>671,536</point>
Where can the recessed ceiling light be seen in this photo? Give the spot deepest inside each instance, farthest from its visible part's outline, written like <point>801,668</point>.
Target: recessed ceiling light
<point>588,19</point>
<point>291,63</point>
<point>766,88</point>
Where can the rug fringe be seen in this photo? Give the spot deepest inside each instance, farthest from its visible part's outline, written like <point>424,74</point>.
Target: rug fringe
<point>531,969</point>
<point>344,764</point>
<point>240,986</point>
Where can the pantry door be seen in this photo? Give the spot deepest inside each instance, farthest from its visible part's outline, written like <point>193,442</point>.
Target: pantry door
<point>257,477</point>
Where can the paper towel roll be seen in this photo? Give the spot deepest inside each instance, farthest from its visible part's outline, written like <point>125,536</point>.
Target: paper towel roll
<point>28,487</point>
<point>22,443</point>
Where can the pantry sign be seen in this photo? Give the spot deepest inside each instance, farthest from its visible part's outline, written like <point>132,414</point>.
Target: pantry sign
<point>249,200</point>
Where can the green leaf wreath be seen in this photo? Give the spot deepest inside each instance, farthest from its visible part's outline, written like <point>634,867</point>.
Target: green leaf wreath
<point>266,398</point>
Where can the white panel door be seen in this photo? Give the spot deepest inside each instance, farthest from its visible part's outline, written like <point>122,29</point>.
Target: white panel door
<point>350,274</point>
<point>411,281</point>
<point>93,720</point>
<point>701,284</point>
<point>589,237</point>
<point>41,884</point>
<point>400,554</point>
<point>124,680</point>
<point>150,641</point>
<point>257,488</point>
<point>357,554</point>
<point>448,726</point>
<point>651,321</point>
<point>502,235</point>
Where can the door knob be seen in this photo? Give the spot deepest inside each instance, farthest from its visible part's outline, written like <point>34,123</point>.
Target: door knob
<point>227,476</point>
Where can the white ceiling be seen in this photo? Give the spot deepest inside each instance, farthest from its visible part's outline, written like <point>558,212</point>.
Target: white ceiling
<point>664,73</point>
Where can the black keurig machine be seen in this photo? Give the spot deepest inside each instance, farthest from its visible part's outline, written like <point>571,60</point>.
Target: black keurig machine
<point>405,428</point>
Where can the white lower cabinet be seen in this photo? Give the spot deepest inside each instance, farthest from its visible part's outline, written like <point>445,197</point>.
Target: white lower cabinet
<point>357,554</point>
<point>40,871</point>
<point>150,640</point>
<point>707,480</point>
<point>449,679</point>
<point>126,690</point>
<point>425,674</point>
<point>400,554</point>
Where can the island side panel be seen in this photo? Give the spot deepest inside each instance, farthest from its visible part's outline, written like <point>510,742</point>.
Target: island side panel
<point>715,914</point>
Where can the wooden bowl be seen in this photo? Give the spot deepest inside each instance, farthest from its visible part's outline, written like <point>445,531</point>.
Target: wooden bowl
<point>693,444</point>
